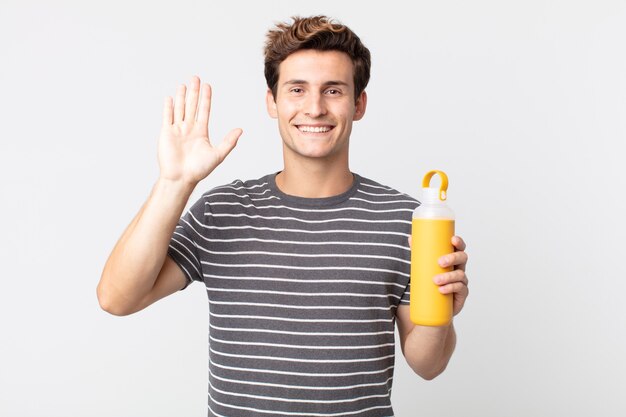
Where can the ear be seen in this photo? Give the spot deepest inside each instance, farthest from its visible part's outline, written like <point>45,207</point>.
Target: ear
<point>361,105</point>
<point>270,102</point>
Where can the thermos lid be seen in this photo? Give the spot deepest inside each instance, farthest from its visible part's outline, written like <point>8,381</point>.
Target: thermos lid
<point>431,195</point>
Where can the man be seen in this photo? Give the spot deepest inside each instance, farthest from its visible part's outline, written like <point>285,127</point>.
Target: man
<point>306,270</point>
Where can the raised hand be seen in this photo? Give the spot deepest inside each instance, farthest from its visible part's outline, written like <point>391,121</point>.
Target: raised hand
<point>185,151</point>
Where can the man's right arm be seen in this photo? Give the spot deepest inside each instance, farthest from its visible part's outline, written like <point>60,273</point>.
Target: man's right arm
<point>138,271</point>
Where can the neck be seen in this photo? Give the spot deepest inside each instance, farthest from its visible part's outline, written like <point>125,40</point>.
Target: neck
<point>314,179</point>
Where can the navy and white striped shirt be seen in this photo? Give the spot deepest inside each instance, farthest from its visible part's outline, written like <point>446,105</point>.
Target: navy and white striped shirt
<point>302,296</point>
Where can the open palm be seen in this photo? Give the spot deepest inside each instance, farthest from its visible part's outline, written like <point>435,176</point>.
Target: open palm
<point>185,151</point>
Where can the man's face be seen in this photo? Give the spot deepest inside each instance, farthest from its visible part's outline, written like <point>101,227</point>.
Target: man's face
<point>315,104</point>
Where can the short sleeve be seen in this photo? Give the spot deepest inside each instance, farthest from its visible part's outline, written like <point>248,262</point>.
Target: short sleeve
<point>406,253</point>
<point>406,296</point>
<point>183,247</point>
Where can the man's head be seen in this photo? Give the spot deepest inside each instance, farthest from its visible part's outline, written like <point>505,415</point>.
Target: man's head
<point>317,33</point>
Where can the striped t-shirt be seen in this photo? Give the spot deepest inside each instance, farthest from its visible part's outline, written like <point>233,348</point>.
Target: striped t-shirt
<point>302,296</point>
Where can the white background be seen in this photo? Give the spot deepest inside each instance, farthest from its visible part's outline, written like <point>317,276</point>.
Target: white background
<point>522,103</point>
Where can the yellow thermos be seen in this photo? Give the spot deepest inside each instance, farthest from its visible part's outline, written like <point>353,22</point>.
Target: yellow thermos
<point>432,231</point>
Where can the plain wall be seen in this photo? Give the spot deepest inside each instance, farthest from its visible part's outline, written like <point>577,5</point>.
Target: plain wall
<point>522,103</point>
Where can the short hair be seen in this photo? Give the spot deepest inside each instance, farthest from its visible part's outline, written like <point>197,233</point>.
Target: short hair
<point>318,33</point>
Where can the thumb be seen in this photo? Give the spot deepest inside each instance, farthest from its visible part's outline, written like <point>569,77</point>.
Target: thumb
<point>228,143</point>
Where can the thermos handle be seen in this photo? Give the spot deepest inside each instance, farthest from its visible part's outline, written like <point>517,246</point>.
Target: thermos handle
<point>444,182</point>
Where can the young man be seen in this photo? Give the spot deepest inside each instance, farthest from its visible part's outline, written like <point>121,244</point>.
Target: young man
<point>306,270</point>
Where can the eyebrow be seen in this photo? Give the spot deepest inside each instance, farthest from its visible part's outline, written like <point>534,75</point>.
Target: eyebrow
<point>326,83</point>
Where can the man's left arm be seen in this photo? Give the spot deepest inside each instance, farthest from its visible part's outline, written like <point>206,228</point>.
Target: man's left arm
<point>428,349</point>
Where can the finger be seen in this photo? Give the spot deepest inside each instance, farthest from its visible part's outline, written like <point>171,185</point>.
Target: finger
<point>460,260</point>
<point>457,288</point>
<point>168,111</point>
<point>191,104</point>
<point>205,107</point>
<point>458,243</point>
<point>457,259</point>
<point>228,143</point>
<point>450,277</point>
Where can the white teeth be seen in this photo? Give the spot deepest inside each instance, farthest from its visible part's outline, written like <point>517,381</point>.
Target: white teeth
<point>314,129</point>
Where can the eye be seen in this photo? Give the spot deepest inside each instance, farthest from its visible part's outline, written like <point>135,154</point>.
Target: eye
<point>296,90</point>
<point>333,91</point>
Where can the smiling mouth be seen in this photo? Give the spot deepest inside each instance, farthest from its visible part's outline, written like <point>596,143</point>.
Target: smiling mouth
<point>314,129</point>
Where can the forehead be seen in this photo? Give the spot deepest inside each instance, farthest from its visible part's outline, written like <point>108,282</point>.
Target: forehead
<point>316,67</point>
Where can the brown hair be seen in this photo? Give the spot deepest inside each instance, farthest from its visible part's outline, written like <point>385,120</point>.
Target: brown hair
<point>318,33</point>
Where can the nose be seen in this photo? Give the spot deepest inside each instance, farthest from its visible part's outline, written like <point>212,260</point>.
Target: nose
<point>314,105</point>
